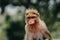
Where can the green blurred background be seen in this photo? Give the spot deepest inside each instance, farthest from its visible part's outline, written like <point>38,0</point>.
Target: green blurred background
<point>12,17</point>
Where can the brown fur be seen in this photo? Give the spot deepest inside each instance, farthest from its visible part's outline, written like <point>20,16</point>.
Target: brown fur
<point>35,27</point>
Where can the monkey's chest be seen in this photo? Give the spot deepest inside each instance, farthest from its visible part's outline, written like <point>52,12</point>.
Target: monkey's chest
<point>38,36</point>
<point>33,29</point>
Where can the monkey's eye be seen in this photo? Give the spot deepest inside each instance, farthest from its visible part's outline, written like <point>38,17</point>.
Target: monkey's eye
<point>28,17</point>
<point>33,17</point>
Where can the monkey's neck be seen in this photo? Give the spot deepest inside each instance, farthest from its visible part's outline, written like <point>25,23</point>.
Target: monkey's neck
<point>34,28</point>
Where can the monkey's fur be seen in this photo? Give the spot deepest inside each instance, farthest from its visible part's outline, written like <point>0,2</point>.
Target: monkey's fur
<point>35,28</point>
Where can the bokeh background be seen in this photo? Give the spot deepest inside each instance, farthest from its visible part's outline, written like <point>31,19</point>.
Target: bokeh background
<point>12,17</point>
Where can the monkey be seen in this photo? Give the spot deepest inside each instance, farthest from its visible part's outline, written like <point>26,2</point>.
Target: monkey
<point>35,28</point>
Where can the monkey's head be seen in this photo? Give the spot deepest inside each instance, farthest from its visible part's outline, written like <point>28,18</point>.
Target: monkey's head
<point>31,16</point>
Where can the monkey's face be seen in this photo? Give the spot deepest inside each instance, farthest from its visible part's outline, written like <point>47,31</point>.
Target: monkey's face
<point>31,18</point>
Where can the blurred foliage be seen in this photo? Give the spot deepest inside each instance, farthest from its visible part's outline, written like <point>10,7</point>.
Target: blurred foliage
<point>56,29</point>
<point>12,26</point>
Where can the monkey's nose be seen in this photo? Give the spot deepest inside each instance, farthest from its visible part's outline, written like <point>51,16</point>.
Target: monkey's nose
<point>31,22</point>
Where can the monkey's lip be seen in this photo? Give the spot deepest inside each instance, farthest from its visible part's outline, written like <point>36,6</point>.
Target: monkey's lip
<point>32,24</point>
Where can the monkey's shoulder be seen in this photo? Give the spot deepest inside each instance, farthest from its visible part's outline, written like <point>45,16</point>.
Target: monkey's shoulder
<point>43,25</point>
